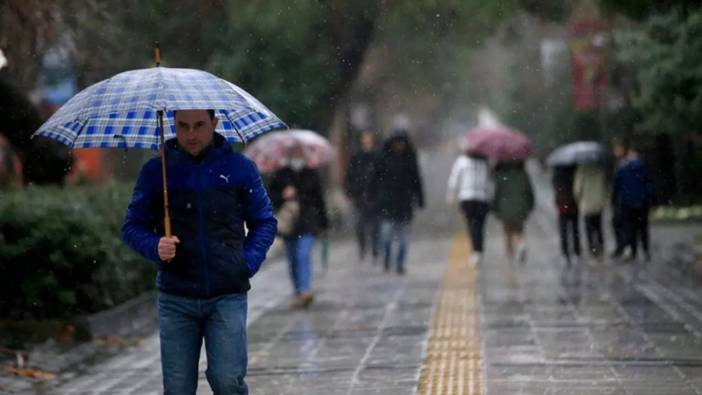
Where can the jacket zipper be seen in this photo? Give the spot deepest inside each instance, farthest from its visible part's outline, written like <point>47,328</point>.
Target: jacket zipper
<point>203,254</point>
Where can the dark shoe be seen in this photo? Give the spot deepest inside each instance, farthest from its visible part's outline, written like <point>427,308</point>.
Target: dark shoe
<point>306,299</point>
<point>296,302</point>
<point>401,271</point>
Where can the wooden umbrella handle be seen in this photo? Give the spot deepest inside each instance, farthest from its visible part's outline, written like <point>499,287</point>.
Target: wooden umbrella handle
<point>157,54</point>
<point>162,150</point>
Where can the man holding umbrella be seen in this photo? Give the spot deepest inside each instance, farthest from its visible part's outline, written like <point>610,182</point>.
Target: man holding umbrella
<point>205,256</point>
<point>204,268</point>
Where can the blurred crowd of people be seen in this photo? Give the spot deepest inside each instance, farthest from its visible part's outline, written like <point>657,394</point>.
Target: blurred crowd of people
<point>586,190</point>
<point>582,192</point>
<point>384,184</point>
<point>385,187</point>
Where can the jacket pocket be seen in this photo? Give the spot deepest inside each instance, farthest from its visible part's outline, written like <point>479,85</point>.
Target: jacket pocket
<point>228,261</point>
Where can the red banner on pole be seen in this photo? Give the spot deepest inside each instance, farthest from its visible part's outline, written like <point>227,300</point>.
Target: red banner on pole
<point>588,58</point>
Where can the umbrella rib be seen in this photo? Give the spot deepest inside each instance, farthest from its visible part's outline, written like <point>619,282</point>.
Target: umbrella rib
<point>226,114</point>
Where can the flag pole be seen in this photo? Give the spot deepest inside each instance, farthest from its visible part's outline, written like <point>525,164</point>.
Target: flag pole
<point>162,152</point>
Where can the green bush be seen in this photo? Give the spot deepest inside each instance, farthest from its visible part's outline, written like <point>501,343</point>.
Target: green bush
<point>61,254</point>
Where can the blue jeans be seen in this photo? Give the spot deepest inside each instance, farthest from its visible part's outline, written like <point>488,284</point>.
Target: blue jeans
<point>299,250</point>
<point>183,323</point>
<point>395,231</point>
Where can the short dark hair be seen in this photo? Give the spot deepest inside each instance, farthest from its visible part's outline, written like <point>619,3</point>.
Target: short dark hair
<point>211,113</point>
<point>623,141</point>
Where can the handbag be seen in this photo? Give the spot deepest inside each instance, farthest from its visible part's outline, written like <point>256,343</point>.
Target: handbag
<point>287,216</point>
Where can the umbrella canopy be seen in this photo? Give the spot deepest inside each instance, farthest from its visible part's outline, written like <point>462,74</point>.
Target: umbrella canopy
<point>272,151</point>
<point>122,111</point>
<point>576,153</point>
<point>498,143</point>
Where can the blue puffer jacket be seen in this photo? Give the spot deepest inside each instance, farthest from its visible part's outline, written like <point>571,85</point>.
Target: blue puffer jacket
<point>210,200</point>
<point>633,186</point>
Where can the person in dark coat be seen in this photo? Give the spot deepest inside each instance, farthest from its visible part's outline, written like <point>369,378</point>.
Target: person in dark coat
<point>633,195</point>
<point>619,151</point>
<point>359,189</point>
<point>399,191</point>
<point>302,184</point>
<point>563,178</point>
<point>514,201</point>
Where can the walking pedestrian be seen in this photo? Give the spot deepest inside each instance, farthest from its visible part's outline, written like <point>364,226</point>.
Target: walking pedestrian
<point>619,150</point>
<point>563,178</point>
<point>399,191</point>
<point>205,267</point>
<point>471,181</point>
<point>297,182</point>
<point>359,188</point>
<point>633,194</point>
<point>514,201</point>
<point>591,192</point>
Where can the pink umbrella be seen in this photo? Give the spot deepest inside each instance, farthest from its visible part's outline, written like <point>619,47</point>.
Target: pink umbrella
<point>272,151</point>
<point>498,143</point>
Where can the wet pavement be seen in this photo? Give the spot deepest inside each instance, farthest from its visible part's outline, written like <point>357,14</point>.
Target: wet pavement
<point>365,334</point>
<point>599,327</point>
<point>593,328</point>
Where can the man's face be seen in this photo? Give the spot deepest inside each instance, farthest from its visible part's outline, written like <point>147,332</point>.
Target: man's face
<point>367,141</point>
<point>619,151</point>
<point>194,130</point>
<point>399,146</point>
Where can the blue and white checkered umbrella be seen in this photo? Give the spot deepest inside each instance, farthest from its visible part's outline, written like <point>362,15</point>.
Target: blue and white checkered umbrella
<point>122,111</point>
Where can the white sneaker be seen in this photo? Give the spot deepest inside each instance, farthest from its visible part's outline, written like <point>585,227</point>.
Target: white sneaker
<point>627,255</point>
<point>476,258</point>
<point>522,253</point>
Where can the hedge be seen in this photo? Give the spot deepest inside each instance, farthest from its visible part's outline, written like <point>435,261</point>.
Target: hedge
<point>61,253</point>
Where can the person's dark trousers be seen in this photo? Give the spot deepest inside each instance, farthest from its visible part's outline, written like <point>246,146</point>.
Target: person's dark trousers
<point>568,226</point>
<point>618,226</point>
<point>367,232</point>
<point>593,230</point>
<point>636,225</point>
<point>183,323</point>
<point>475,212</point>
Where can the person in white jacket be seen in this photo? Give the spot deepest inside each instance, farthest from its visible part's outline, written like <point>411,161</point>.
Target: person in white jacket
<point>592,193</point>
<point>471,183</point>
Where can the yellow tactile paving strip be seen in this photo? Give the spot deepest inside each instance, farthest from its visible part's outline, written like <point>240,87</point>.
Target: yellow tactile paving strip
<point>453,362</point>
